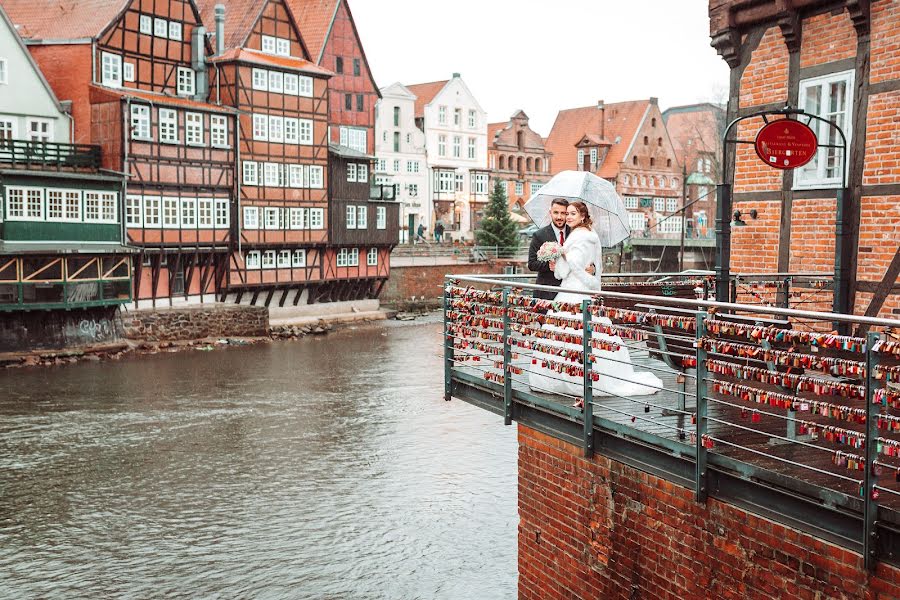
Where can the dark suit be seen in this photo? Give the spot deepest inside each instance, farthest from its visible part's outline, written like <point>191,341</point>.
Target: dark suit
<point>544,274</point>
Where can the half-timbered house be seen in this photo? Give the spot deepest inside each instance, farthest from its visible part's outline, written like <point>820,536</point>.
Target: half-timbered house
<point>137,74</point>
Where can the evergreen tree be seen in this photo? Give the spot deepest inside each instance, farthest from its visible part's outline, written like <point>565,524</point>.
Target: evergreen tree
<point>497,228</point>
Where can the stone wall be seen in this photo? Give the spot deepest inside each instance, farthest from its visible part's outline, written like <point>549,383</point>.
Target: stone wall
<point>409,285</point>
<point>55,329</point>
<point>596,528</point>
<point>196,322</point>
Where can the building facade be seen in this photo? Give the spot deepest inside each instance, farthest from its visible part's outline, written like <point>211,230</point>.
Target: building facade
<point>401,160</point>
<point>627,144</point>
<point>455,128</point>
<point>517,156</point>
<point>837,60</point>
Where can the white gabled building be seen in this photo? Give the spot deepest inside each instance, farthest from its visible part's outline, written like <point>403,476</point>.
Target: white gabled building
<point>455,128</point>
<point>400,157</point>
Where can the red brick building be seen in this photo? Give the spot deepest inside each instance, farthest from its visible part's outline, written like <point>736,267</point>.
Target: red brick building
<point>839,60</point>
<point>627,144</point>
<point>517,156</point>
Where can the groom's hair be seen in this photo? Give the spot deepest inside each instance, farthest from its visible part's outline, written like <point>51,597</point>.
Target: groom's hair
<point>560,201</point>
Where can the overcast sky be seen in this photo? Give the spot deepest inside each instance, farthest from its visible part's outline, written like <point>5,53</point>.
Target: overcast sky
<point>544,56</point>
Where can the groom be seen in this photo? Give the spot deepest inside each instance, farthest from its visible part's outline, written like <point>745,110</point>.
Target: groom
<point>557,231</point>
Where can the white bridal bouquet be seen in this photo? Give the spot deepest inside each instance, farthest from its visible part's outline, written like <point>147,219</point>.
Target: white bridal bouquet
<point>549,251</point>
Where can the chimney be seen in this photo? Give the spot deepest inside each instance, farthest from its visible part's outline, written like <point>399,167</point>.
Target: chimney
<point>220,29</point>
<point>654,101</point>
<point>456,76</point>
<point>602,106</point>
<point>198,63</point>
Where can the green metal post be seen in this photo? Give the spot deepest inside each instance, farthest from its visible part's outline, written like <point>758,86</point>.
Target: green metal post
<point>588,411</point>
<point>507,358</point>
<point>870,515</point>
<point>702,375</point>
<point>448,345</point>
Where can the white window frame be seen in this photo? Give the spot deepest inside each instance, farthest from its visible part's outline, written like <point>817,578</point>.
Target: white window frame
<point>442,145</point>
<point>351,172</point>
<point>316,176</point>
<point>671,204</point>
<point>457,146</point>
<point>109,207</point>
<point>205,213</point>
<point>372,257</point>
<point>252,260</point>
<point>111,69</point>
<point>193,129</point>
<point>188,212</point>
<point>291,131</point>
<point>276,128</point>
<point>140,122</point>
<point>175,30</point>
<point>168,125</point>
<point>276,82</point>
<point>260,127</point>
<point>637,221</point>
<point>282,47</point>
<point>520,187</point>
<point>4,71</point>
<point>296,217</point>
<point>134,211</point>
<point>218,131</point>
<point>152,211</point>
<point>805,177</point>
<point>291,84</point>
<point>55,196</point>
<point>160,28</point>
<point>221,213</point>
<point>8,129</point>
<point>472,149</point>
<point>342,257</point>
<point>270,174</point>
<point>580,159</point>
<point>295,176</point>
<point>380,217</point>
<point>631,202</point>
<point>267,44</point>
<point>305,86</point>
<point>362,173</point>
<point>362,217</point>
<point>251,172</point>
<point>317,218</point>
<point>298,258</point>
<point>353,257</point>
<point>350,216</point>
<point>472,119</point>
<point>659,205</point>
<point>128,71</point>
<point>170,213</point>
<point>284,259</point>
<point>260,80</point>
<point>268,259</point>
<point>186,81</point>
<point>146,24</point>
<point>92,212</point>
<point>251,217</point>
<point>442,115</point>
<point>271,217</point>
<point>305,132</point>
<point>44,131</point>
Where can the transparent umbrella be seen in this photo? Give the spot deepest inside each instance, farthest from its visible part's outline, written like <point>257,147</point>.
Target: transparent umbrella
<point>606,207</point>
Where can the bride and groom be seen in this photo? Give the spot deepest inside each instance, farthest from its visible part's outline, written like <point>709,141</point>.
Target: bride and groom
<point>579,268</point>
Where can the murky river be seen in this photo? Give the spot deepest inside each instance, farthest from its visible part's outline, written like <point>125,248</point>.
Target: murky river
<point>323,468</point>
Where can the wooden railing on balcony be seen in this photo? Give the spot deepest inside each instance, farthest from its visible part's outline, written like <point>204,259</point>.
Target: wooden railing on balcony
<point>26,154</point>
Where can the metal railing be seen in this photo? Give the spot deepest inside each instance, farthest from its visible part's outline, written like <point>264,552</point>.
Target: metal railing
<point>734,385</point>
<point>49,155</point>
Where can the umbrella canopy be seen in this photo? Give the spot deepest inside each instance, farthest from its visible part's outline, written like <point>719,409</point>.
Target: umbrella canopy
<point>606,207</point>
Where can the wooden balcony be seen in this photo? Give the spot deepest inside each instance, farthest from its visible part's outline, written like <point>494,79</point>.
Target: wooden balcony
<point>44,156</point>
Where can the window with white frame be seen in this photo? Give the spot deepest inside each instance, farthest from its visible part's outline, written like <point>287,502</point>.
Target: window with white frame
<point>829,97</point>
<point>351,172</point>
<point>174,30</point>
<point>457,142</point>
<point>282,47</point>
<point>140,122</point>
<point>251,259</point>
<point>342,257</point>
<point>351,217</point>
<point>268,44</point>
<point>261,128</point>
<point>109,207</point>
<point>146,24</point>
<point>353,257</point>
<point>298,258</point>
<point>297,218</point>
<point>111,69</point>
<point>472,119</point>
<point>534,187</point>
<point>305,86</point>
<point>372,257</point>
<point>380,217</point>
<point>276,128</point>
<point>396,166</point>
<point>205,213</point>
<point>291,133</point>
<point>55,210</point>
<point>593,156</point>
<point>442,115</point>
<point>188,213</point>
<point>128,71</point>
<point>659,204</point>
<point>218,131</point>
<point>444,181</point>
<point>133,211</point>
<point>295,176</point>
<point>168,126</point>
<point>580,159</point>
<point>251,217</point>
<point>471,153</point>
<point>15,203</point>
<point>442,145</point>
<point>291,84</point>
<point>305,135</point>
<point>316,177</point>
<point>251,173</point>
<point>72,199</point>
<point>480,181</point>
<point>317,218</point>
<point>268,259</point>
<point>185,81</point>
<point>4,71</point>
<point>270,174</point>
<point>27,204</point>
<point>637,221</point>
<point>260,81</point>
<point>39,130</point>
<point>276,82</point>
<point>284,259</point>
<point>412,166</point>
<point>193,129</point>
<point>412,189</point>
<point>631,202</point>
<point>7,129</point>
<point>671,204</point>
<point>362,217</point>
<point>91,207</point>
<point>362,173</point>
<point>222,213</point>
<point>670,225</point>
<point>457,116</point>
<point>160,28</point>
<point>170,213</point>
<point>353,137</point>
<point>151,212</point>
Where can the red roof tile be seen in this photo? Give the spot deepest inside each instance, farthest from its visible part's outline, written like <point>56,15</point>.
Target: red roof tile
<point>623,119</point>
<point>693,124</point>
<point>425,93</point>
<point>99,93</point>
<point>62,19</point>
<point>314,19</point>
<point>493,128</point>
<point>240,17</point>
<point>261,58</point>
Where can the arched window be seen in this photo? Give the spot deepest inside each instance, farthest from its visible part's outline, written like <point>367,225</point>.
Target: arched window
<point>626,180</point>
<point>668,162</point>
<point>520,139</point>
<point>674,182</point>
<point>502,163</point>
<point>659,142</point>
<point>537,165</point>
<point>652,162</point>
<point>653,122</point>
<point>646,141</point>
<point>529,164</point>
<point>634,160</point>
<point>520,164</point>
<point>663,181</point>
<point>652,180</point>
<point>643,181</point>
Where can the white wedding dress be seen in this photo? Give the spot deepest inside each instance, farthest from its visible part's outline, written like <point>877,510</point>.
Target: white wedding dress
<point>617,377</point>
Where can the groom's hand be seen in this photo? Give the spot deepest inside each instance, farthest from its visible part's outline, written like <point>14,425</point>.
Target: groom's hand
<point>552,265</point>
<point>590,269</point>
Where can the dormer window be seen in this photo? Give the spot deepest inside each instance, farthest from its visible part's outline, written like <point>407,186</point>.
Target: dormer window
<point>282,47</point>
<point>593,156</point>
<point>111,71</point>
<point>185,82</point>
<point>268,44</point>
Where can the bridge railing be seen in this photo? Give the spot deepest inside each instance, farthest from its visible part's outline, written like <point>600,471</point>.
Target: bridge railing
<point>736,386</point>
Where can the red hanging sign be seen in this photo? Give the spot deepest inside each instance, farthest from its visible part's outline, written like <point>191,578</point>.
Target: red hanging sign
<point>786,144</point>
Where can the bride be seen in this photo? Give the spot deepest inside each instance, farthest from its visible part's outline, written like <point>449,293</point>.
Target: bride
<point>617,376</point>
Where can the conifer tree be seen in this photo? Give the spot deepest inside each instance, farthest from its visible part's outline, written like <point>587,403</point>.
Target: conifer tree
<point>497,228</point>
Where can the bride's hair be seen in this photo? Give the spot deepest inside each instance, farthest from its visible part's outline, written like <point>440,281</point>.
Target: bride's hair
<point>582,209</point>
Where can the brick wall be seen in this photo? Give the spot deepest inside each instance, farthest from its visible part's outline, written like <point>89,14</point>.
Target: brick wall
<point>417,281</point>
<point>812,236</point>
<point>827,38</point>
<point>760,235</point>
<point>884,49</point>
<point>595,528</point>
<point>67,69</point>
<point>882,160</point>
<point>765,79</point>
<point>750,173</point>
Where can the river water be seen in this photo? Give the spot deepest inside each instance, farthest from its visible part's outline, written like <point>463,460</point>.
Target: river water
<point>329,467</point>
